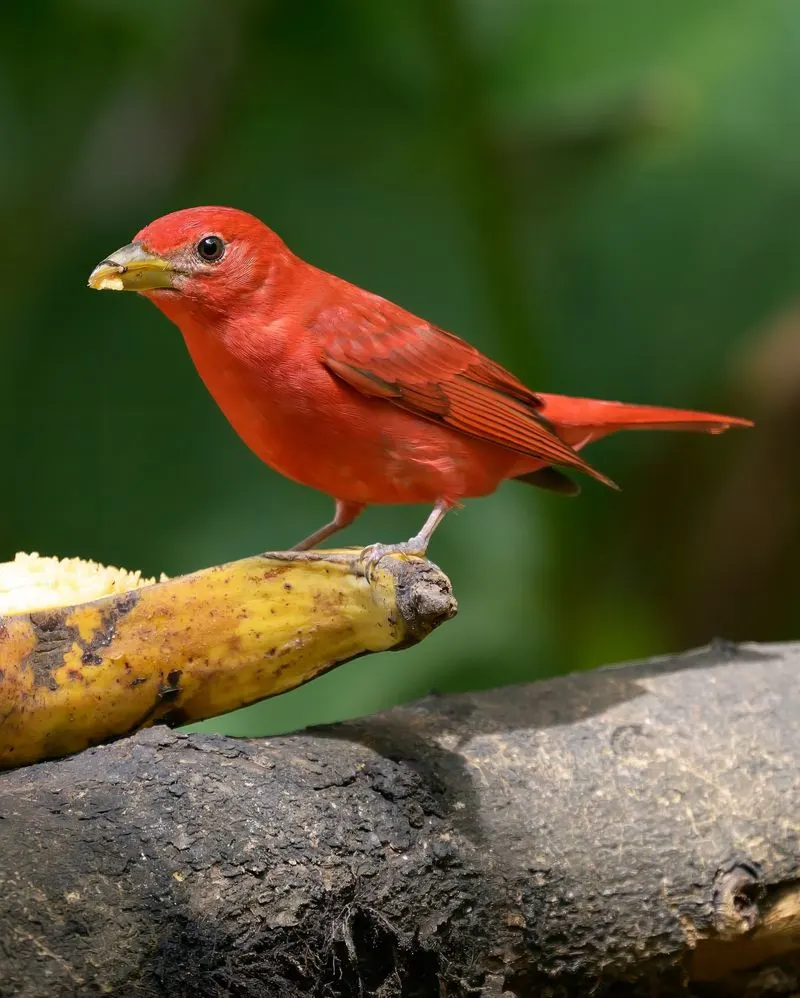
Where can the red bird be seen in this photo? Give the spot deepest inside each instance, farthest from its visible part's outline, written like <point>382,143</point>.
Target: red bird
<point>348,393</point>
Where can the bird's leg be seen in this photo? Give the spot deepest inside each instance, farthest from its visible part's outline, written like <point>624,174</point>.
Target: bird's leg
<point>345,513</point>
<point>416,545</point>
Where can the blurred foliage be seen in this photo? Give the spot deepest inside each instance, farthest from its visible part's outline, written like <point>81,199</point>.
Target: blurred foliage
<point>603,196</point>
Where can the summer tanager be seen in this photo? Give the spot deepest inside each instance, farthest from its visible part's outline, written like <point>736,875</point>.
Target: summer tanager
<point>348,393</point>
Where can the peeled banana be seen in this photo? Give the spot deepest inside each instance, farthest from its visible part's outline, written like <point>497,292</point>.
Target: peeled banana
<point>75,674</point>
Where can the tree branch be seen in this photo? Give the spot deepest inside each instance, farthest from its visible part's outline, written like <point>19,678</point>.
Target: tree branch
<point>630,831</point>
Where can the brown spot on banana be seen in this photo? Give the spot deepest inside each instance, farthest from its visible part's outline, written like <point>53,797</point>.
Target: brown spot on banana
<point>51,637</point>
<point>55,634</point>
<point>106,630</point>
<point>170,690</point>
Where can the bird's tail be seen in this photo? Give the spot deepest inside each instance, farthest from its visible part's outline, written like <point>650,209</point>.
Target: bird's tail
<point>580,421</point>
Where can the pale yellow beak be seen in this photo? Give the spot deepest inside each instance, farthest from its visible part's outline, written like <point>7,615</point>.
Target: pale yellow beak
<point>132,268</point>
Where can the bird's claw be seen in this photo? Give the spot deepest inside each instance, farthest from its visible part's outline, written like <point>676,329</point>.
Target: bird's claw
<point>374,553</point>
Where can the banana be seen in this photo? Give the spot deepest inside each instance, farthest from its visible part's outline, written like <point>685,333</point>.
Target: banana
<point>185,649</point>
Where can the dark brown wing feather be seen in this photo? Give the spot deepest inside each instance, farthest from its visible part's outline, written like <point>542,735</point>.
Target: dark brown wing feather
<point>385,352</point>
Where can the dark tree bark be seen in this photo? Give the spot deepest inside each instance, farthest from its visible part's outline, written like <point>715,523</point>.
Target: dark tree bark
<point>631,831</point>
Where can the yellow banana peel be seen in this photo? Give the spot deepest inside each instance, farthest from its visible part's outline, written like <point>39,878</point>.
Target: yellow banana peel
<point>90,653</point>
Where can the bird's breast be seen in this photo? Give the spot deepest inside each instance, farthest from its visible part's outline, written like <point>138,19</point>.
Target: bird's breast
<point>307,424</point>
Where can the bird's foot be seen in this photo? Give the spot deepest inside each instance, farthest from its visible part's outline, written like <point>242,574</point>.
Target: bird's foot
<point>374,553</point>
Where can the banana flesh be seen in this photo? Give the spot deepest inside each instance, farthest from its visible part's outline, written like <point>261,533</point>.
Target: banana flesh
<point>189,648</point>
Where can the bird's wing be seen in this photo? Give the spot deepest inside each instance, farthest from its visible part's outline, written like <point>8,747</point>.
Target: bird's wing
<point>385,352</point>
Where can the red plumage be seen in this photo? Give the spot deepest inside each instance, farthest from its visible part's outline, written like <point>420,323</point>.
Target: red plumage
<point>350,394</point>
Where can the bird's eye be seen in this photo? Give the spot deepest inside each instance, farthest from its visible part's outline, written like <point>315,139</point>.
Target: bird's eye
<point>210,249</point>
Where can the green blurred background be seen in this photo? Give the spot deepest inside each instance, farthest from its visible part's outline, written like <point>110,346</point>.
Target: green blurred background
<point>602,195</point>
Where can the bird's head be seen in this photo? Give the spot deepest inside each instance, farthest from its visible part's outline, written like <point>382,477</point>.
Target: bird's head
<point>204,258</point>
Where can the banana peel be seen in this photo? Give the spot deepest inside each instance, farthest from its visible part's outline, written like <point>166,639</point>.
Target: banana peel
<point>77,674</point>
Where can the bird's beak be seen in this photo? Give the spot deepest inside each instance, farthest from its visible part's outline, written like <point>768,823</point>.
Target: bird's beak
<point>132,268</point>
